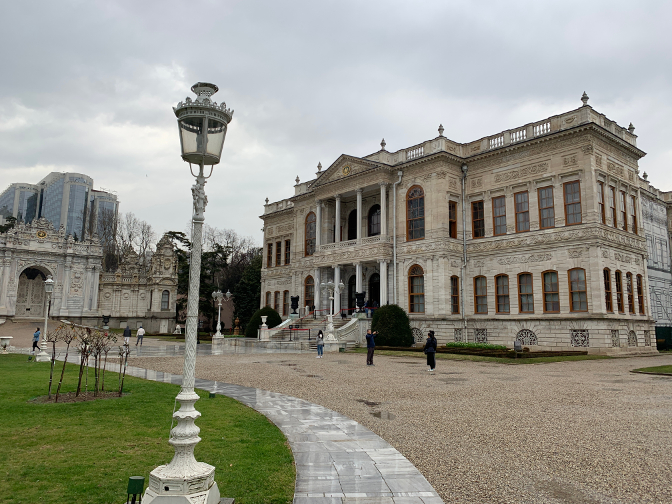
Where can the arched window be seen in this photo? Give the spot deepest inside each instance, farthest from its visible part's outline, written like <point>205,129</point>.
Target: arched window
<point>631,294</point>
<point>619,292</point>
<point>525,293</point>
<point>640,294</point>
<point>551,293</point>
<point>374,220</point>
<point>352,225</point>
<point>480,295</point>
<point>415,213</point>
<point>310,233</point>
<point>455,294</point>
<point>165,300</point>
<point>502,293</point>
<point>309,291</point>
<point>608,299</point>
<point>416,289</point>
<point>578,299</point>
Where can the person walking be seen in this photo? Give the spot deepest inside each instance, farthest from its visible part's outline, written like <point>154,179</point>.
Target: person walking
<point>140,335</point>
<point>430,350</point>
<point>320,344</point>
<point>127,335</point>
<point>370,346</point>
<point>36,340</point>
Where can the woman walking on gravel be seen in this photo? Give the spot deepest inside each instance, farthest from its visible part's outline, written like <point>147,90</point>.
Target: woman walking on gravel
<point>320,344</point>
<point>430,350</point>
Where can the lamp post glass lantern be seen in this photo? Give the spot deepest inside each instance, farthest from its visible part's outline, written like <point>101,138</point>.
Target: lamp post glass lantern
<point>202,126</point>
<point>43,356</point>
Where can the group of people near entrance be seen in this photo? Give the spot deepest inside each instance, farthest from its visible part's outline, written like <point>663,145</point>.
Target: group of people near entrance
<point>429,348</point>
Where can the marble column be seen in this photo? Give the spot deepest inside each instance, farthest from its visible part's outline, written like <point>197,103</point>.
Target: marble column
<point>318,226</point>
<point>358,277</point>
<point>359,215</point>
<point>317,288</point>
<point>337,230</point>
<point>337,297</point>
<point>383,283</point>
<point>383,209</point>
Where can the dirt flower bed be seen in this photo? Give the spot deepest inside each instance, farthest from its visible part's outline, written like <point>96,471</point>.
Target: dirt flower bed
<point>70,397</point>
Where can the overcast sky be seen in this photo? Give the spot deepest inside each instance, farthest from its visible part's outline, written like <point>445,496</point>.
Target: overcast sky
<point>88,86</point>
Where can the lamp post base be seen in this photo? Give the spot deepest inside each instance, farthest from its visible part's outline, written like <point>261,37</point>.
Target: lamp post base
<point>198,487</point>
<point>42,357</point>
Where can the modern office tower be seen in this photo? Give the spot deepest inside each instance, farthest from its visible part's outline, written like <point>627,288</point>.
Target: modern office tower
<point>66,199</point>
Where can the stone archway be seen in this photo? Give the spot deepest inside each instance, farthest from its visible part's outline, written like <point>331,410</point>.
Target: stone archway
<point>30,295</point>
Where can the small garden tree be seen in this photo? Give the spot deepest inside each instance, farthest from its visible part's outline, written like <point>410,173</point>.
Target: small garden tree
<point>255,321</point>
<point>393,326</point>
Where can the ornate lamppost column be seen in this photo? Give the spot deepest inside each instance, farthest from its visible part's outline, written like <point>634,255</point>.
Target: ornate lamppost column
<point>202,125</point>
<point>217,295</point>
<point>43,356</point>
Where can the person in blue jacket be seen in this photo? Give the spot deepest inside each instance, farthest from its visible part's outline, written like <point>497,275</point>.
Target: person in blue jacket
<point>370,346</point>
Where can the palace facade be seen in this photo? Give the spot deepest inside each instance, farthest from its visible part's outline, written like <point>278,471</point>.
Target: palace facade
<point>534,234</point>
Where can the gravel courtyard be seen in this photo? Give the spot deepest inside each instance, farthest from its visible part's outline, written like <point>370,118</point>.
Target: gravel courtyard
<point>571,432</point>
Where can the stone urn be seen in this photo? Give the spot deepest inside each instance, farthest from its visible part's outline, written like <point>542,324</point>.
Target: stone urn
<point>263,321</point>
<point>4,343</point>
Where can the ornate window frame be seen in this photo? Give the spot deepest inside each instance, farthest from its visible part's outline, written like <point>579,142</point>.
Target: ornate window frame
<point>415,299</point>
<point>310,235</point>
<point>455,295</point>
<point>550,208</point>
<point>522,210</point>
<point>502,295</point>
<point>521,294</point>
<point>569,204</point>
<point>421,210</point>
<point>608,297</point>
<point>495,226</point>
<point>546,293</point>
<point>483,296</point>
<point>575,288</point>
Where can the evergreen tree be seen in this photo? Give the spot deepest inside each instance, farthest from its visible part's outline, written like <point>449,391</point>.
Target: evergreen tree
<point>247,294</point>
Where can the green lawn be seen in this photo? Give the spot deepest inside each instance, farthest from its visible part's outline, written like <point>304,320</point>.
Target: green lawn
<point>656,369</point>
<point>84,452</point>
<point>479,358</point>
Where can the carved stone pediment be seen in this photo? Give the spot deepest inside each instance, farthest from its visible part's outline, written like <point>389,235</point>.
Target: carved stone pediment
<point>343,168</point>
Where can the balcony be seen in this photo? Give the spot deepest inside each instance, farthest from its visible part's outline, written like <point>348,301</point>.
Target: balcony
<point>370,248</point>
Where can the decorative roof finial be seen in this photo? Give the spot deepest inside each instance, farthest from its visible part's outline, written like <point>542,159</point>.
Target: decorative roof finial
<point>267,201</point>
<point>297,180</point>
<point>584,99</point>
<point>382,144</point>
<point>440,130</point>
<point>645,176</point>
<point>319,167</point>
<point>631,129</point>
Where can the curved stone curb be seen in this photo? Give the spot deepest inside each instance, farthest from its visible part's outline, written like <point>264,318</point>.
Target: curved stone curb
<point>337,459</point>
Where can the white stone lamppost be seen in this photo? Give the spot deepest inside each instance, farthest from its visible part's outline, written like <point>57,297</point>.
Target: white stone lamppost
<point>332,289</point>
<point>43,356</point>
<point>202,126</point>
<point>217,295</point>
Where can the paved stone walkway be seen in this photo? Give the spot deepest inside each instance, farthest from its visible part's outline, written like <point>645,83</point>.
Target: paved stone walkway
<point>337,459</point>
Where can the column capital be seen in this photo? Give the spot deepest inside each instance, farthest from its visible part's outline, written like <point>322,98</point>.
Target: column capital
<point>334,266</point>
<point>383,184</point>
<point>318,202</point>
<point>383,261</point>
<point>357,263</point>
<point>337,197</point>
<point>359,190</point>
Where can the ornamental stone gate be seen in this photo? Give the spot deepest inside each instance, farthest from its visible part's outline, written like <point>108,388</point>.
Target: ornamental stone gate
<point>30,297</point>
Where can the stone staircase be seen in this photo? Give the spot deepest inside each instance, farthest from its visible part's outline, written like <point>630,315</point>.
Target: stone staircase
<point>313,325</point>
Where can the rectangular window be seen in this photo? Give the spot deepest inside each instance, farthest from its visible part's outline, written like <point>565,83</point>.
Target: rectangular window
<point>546,208</point>
<point>276,301</point>
<point>452,219</point>
<point>578,299</point>
<point>288,251</point>
<point>608,300</point>
<point>268,298</point>
<point>525,294</point>
<point>278,253</point>
<point>631,294</point>
<point>619,292</point>
<point>502,293</point>
<point>499,215</point>
<point>612,206</point>
<point>477,219</point>
<point>633,214</point>
<point>285,303</point>
<point>572,203</point>
<point>455,294</point>
<point>551,294</point>
<point>600,202</point>
<point>269,255</point>
<point>480,295</point>
<point>522,212</point>
<point>624,211</point>
<point>640,294</point>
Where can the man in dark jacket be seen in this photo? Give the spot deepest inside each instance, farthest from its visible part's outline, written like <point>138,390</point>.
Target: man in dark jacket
<point>430,350</point>
<point>127,335</point>
<point>370,346</point>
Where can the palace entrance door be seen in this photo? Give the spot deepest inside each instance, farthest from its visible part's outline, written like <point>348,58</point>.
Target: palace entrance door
<point>374,288</point>
<point>30,295</point>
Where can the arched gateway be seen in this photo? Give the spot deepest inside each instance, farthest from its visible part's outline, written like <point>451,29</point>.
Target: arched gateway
<point>30,295</point>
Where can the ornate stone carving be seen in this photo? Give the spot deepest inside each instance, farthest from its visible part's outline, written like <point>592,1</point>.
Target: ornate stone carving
<point>622,258</point>
<point>527,337</point>
<point>477,183</point>
<point>579,338</point>
<point>587,149</point>
<point>615,169</point>
<point>524,259</point>
<point>569,160</point>
<point>575,253</point>
<point>523,172</point>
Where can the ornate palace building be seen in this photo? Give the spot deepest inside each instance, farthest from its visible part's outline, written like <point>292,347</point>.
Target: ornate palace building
<point>534,234</point>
